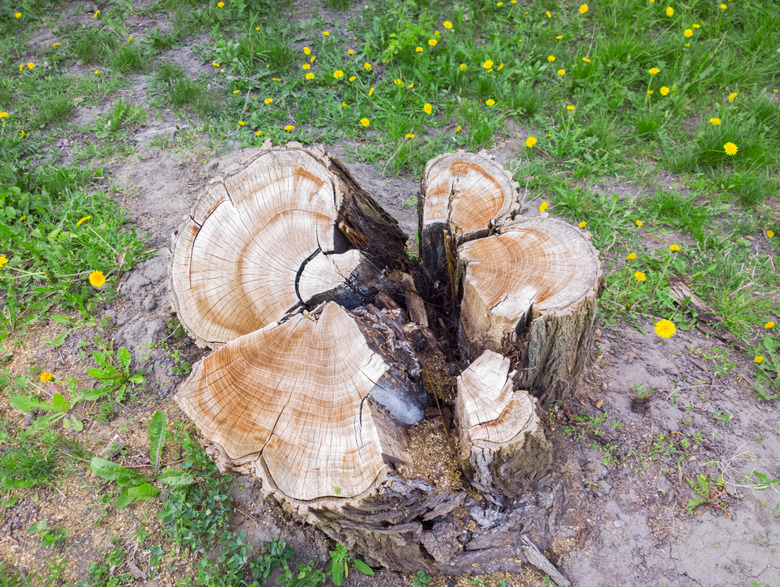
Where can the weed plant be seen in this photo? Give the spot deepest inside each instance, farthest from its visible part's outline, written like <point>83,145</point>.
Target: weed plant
<point>54,235</point>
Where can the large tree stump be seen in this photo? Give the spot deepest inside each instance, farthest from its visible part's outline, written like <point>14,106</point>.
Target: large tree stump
<point>325,366</point>
<point>502,444</point>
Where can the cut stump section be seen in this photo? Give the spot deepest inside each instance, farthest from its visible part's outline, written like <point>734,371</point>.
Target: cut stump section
<point>325,363</point>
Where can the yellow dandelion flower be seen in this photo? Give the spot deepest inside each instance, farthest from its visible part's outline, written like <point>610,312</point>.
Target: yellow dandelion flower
<point>770,233</point>
<point>561,72</point>
<point>367,66</point>
<point>723,6</point>
<point>3,260</point>
<point>352,78</point>
<point>458,128</point>
<point>30,65</point>
<point>259,133</point>
<point>419,49</point>
<point>697,26</point>
<point>289,127</point>
<point>428,108</point>
<point>551,58</point>
<point>410,86</point>
<point>730,148</point>
<point>338,74</point>
<point>715,121</point>
<point>21,67</point>
<point>97,279</point>
<point>463,67</point>
<point>769,325</point>
<point>326,33</point>
<point>688,33</point>
<point>650,92</point>
<point>732,96</point>
<point>488,64</point>
<point>432,42</point>
<point>447,24</point>
<point>664,91</point>
<point>630,256</point>
<point>220,4</point>
<point>586,60</point>
<point>583,224</point>
<point>639,223</point>
<point>583,9</point>
<point>669,11</point>
<point>257,28</point>
<point>409,136</point>
<point>559,37</point>
<point>268,101</point>
<point>17,15</point>
<point>490,102</point>
<point>236,91</point>
<point>215,64</point>
<point>665,328</point>
<point>310,75</point>
<point>344,104</point>
<point>350,52</point>
<point>306,66</point>
<point>547,12</point>
<point>46,376</point>
<point>530,141</point>
<point>83,220</point>
<point>240,123</point>
<point>57,45</point>
<point>21,132</point>
<point>306,51</point>
<point>3,114</point>
<point>639,276</point>
<point>499,4</point>
<point>97,13</point>
<point>500,67</point>
<point>758,359</point>
<point>371,91</point>
<point>543,206</point>
<point>97,72</point>
<point>365,121</point>
<point>570,107</point>
<point>653,70</point>
<point>674,248</point>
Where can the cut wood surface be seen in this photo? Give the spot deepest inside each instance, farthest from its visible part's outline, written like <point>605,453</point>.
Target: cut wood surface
<point>270,236</point>
<point>293,392</point>
<point>500,434</point>
<point>462,195</point>
<point>466,191</point>
<point>537,266</point>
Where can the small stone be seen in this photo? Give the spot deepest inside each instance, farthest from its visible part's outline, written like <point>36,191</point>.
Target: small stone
<point>618,523</point>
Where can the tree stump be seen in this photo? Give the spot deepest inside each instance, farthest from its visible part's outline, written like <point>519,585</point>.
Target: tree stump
<point>270,237</point>
<point>325,366</point>
<point>463,196</point>
<point>502,444</point>
<point>525,288</point>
